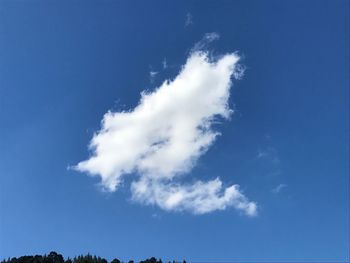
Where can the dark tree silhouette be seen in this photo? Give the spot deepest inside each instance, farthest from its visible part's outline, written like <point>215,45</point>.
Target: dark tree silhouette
<point>54,257</point>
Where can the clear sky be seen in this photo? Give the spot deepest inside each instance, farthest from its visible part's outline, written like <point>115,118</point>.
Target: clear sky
<point>65,64</point>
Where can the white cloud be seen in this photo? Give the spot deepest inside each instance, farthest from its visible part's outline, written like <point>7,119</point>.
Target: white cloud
<point>198,198</point>
<point>161,139</point>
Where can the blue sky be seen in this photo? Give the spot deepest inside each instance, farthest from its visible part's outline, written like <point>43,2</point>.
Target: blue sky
<point>65,64</point>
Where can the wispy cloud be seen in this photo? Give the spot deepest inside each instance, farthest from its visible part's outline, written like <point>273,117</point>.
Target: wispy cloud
<point>278,188</point>
<point>270,154</point>
<point>152,75</point>
<point>205,41</point>
<point>198,198</point>
<point>164,64</point>
<point>189,20</point>
<point>161,139</point>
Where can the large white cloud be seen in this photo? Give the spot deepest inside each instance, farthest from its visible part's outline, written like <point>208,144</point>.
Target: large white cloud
<point>163,136</point>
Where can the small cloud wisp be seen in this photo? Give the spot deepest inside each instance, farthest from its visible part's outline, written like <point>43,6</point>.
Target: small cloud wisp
<point>278,188</point>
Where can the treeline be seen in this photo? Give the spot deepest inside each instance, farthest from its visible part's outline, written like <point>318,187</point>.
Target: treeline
<point>54,257</point>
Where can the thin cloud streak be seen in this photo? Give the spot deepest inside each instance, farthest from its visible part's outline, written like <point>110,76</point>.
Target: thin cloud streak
<point>278,188</point>
<point>189,20</point>
<point>205,41</point>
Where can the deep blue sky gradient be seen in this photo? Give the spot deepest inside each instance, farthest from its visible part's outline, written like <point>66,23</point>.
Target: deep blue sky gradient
<point>63,64</point>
